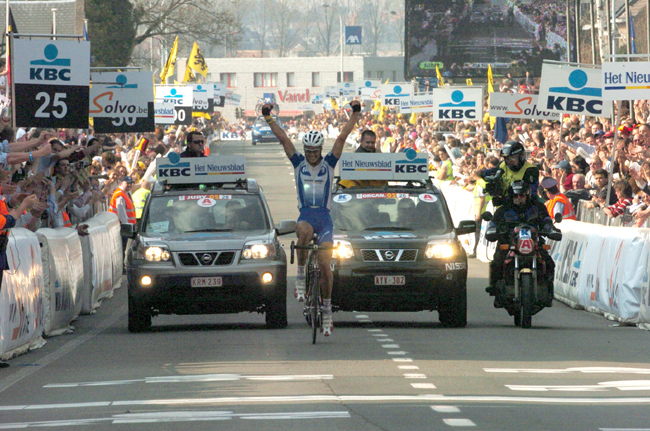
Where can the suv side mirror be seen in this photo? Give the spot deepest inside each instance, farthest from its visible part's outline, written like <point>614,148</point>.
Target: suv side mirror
<point>466,227</point>
<point>128,230</point>
<point>286,226</point>
<point>487,216</point>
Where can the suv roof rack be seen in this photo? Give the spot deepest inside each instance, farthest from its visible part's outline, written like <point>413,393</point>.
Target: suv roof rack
<point>245,184</point>
<point>409,184</point>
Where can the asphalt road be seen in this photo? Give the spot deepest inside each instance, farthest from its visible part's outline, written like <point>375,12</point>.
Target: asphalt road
<point>379,371</point>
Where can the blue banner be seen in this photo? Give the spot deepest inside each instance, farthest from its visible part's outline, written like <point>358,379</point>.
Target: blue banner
<point>352,35</point>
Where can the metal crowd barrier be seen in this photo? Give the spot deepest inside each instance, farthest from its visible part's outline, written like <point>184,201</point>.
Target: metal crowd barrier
<point>597,216</point>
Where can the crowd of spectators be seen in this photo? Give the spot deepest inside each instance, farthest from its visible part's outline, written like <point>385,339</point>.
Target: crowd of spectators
<point>575,151</point>
<point>72,174</point>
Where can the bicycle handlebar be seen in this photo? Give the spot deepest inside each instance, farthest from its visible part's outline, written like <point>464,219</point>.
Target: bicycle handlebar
<point>310,246</point>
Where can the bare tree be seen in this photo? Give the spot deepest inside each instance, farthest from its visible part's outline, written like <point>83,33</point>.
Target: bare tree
<point>261,23</point>
<point>203,21</point>
<point>374,24</point>
<point>324,21</point>
<point>283,15</point>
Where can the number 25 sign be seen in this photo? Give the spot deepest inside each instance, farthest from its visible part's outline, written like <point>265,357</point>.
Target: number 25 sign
<point>51,82</point>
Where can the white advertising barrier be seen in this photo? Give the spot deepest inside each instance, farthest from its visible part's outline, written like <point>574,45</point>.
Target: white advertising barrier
<point>568,255</point>
<point>613,273</point>
<point>63,274</point>
<point>644,308</point>
<point>112,223</point>
<point>21,295</point>
<point>461,207</point>
<point>97,251</point>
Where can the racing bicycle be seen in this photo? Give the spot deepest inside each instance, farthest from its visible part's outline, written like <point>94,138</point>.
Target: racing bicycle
<point>313,310</point>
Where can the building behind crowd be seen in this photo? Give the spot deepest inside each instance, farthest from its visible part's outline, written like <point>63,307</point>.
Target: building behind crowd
<point>292,80</point>
<point>37,17</point>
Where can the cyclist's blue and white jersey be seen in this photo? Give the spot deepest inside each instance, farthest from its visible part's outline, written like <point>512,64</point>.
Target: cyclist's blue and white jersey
<point>314,183</point>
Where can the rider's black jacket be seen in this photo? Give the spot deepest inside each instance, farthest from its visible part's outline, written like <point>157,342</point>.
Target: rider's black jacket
<point>533,212</point>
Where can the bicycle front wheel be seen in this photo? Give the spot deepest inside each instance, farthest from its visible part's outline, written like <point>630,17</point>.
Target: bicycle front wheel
<point>314,293</point>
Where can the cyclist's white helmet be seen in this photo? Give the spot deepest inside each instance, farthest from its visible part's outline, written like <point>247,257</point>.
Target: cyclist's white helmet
<point>313,139</point>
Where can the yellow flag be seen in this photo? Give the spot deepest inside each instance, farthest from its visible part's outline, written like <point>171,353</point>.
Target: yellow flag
<point>469,81</point>
<point>441,82</point>
<point>414,118</point>
<point>383,113</point>
<point>334,104</point>
<point>490,80</point>
<point>490,89</point>
<point>168,71</point>
<point>196,63</point>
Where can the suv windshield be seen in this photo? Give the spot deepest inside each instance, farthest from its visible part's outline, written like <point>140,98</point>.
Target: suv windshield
<point>403,211</point>
<point>205,213</point>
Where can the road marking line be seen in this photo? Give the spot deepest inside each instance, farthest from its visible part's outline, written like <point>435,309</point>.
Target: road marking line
<point>375,330</point>
<point>390,346</point>
<point>408,367</point>
<point>396,352</point>
<point>459,422</point>
<point>63,350</point>
<point>183,416</point>
<point>423,385</point>
<point>445,409</point>
<point>379,335</point>
<point>340,398</point>
<point>193,379</point>
<point>585,370</point>
<point>402,359</point>
<point>361,316</point>
<point>624,385</point>
<point>415,376</point>
<point>385,340</point>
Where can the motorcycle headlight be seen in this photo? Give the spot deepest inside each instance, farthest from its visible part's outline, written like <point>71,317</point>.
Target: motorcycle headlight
<point>342,250</point>
<point>257,250</point>
<point>157,254</point>
<point>439,250</point>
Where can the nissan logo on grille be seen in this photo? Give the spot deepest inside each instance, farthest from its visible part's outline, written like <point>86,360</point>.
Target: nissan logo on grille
<point>206,258</point>
<point>389,255</point>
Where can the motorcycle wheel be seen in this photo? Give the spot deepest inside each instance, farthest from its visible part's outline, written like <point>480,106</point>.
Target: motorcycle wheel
<point>527,301</point>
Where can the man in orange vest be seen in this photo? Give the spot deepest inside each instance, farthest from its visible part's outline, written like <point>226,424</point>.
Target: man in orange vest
<point>557,202</point>
<point>122,205</point>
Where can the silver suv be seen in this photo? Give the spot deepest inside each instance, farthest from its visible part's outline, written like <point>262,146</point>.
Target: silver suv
<point>206,249</point>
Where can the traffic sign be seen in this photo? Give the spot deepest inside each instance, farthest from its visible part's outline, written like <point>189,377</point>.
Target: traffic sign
<point>51,83</point>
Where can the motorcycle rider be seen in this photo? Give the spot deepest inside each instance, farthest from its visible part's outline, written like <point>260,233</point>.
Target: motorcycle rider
<point>514,167</point>
<point>520,207</point>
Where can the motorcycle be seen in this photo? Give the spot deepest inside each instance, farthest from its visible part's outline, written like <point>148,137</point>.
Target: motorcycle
<point>521,290</point>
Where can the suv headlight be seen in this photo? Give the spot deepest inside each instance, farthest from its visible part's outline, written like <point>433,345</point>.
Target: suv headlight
<point>157,254</point>
<point>257,250</point>
<point>439,250</point>
<point>342,250</point>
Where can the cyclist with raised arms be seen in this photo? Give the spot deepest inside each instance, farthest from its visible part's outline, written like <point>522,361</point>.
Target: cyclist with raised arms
<point>314,176</point>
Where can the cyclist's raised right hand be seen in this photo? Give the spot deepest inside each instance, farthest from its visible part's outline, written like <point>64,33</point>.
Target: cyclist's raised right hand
<point>267,108</point>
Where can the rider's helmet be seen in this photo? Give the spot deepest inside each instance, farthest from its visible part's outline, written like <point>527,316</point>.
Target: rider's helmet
<point>519,192</point>
<point>313,139</point>
<point>514,154</point>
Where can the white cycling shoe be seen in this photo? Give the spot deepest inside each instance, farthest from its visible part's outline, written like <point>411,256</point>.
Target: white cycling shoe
<point>299,291</point>
<point>328,325</point>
